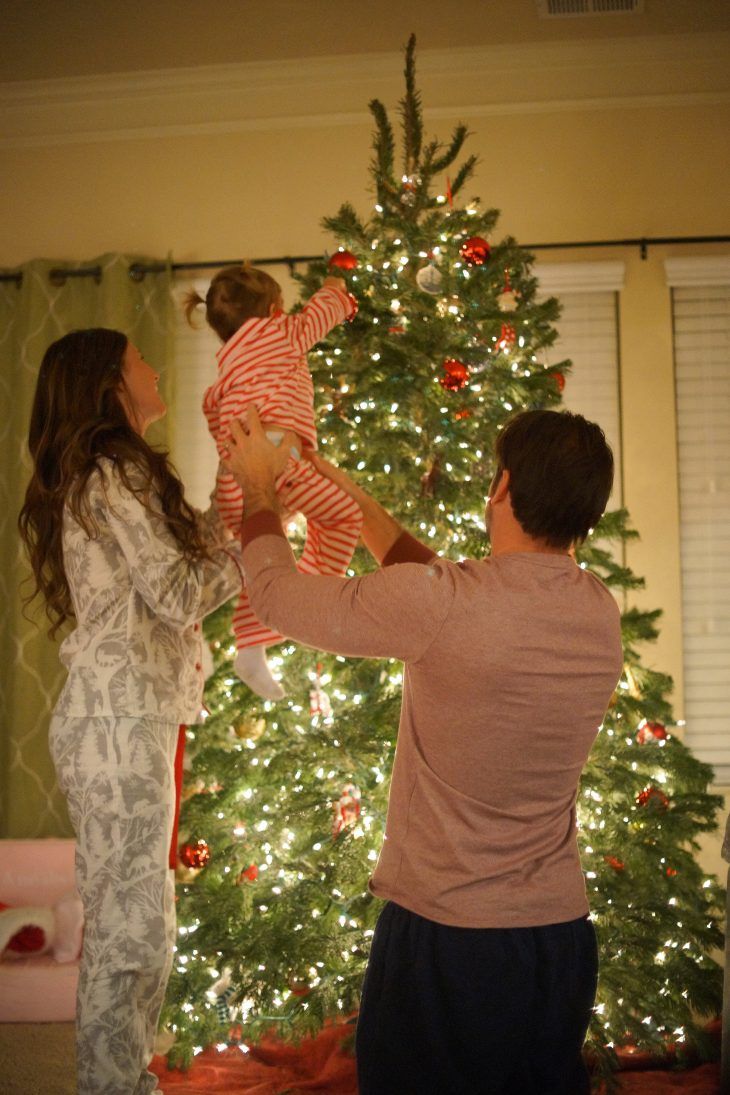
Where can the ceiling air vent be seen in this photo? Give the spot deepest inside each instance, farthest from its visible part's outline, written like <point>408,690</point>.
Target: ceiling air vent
<point>565,9</point>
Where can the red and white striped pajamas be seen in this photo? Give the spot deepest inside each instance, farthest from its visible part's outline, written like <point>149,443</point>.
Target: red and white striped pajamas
<point>264,365</point>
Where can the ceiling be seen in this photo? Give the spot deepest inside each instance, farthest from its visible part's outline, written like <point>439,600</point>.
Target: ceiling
<point>46,39</point>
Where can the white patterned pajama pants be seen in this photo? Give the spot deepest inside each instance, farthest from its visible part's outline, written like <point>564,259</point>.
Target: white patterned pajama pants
<point>118,777</point>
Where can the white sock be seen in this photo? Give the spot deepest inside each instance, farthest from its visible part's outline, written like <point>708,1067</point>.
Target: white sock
<point>252,668</point>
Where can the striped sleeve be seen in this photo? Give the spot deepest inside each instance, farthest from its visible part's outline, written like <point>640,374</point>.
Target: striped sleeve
<point>323,311</point>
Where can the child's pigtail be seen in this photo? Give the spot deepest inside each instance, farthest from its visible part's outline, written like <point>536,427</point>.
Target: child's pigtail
<point>191,300</point>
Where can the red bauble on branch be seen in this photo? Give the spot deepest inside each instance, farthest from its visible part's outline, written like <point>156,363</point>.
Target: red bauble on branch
<point>194,855</point>
<point>615,862</point>
<point>456,375</point>
<point>299,986</point>
<point>507,337</point>
<point>652,796</point>
<point>559,381</point>
<point>475,251</point>
<point>651,732</point>
<point>343,260</point>
<point>249,874</point>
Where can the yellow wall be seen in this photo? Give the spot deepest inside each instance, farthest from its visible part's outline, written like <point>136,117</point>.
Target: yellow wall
<point>582,141</point>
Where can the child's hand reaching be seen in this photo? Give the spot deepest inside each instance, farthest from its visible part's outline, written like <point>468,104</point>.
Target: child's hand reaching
<point>338,283</point>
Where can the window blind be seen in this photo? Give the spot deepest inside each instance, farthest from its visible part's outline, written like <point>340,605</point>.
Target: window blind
<point>702,367</point>
<point>589,337</point>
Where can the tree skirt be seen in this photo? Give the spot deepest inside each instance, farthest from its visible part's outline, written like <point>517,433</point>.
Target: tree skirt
<point>321,1065</point>
<point>316,1064</point>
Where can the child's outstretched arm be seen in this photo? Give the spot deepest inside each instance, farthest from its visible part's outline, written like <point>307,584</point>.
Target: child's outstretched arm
<point>326,308</point>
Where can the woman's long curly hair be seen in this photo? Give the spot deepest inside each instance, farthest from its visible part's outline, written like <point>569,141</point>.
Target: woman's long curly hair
<point>77,418</point>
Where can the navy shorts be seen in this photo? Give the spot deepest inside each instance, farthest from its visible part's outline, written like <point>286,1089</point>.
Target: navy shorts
<point>483,1011</point>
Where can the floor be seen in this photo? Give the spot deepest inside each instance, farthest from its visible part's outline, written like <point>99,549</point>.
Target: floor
<point>38,1059</point>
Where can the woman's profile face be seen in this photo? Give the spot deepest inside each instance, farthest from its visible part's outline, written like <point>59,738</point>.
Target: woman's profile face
<point>138,393</point>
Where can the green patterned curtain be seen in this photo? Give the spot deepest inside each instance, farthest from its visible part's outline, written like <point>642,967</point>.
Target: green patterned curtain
<point>32,315</point>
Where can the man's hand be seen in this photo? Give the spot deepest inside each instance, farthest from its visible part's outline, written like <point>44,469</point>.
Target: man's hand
<point>338,476</point>
<point>254,462</point>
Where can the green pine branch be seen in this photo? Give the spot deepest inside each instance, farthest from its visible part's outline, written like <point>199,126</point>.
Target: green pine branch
<point>465,172</point>
<point>411,114</point>
<point>457,141</point>
<point>383,145</point>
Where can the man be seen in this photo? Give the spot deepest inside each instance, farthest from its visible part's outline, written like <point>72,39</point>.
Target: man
<point>483,967</point>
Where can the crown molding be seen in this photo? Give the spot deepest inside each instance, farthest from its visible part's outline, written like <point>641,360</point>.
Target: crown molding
<point>470,82</point>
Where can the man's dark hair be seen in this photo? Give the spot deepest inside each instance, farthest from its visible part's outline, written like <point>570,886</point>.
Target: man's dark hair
<point>561,472</point>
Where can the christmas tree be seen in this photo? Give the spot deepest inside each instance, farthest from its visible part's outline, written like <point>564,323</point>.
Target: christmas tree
<point>285,803</point>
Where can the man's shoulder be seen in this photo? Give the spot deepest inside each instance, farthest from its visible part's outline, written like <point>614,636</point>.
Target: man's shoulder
<point>601,590</point>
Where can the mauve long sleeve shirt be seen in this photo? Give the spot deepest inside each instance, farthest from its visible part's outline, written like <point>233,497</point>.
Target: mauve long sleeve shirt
<point>509,664</point>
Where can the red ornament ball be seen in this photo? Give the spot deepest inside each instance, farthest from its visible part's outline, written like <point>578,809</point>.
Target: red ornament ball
<point>651,731</point>
<point>250,874</point>
<point>299,986</point>
<point>194,855</point>
<point>671,872</point>
<point>615,862</point>
<point>507,337</point>
<point>654,797</point>
<point>456,375</point>
<point>559,381</point>
<point>475,251</point>
<point>343,260</point>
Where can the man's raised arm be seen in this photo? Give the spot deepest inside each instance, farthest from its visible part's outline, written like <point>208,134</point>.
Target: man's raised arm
<point>386,540</point>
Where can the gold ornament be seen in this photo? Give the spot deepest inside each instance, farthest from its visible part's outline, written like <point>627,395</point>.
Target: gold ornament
<point>192,788</point>
<point>186,874</point>
<point>251,729</point>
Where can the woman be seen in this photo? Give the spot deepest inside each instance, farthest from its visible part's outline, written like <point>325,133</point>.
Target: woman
<point>114,546</point>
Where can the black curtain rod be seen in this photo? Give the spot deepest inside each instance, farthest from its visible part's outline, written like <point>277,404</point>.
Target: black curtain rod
<point>137,271</point>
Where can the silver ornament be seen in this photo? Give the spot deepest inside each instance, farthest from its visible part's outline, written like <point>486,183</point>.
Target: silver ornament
<point>410,186</point>
<point>429,279</point>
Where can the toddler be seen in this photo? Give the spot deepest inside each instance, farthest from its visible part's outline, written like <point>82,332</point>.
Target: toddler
<point>263,363</point>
